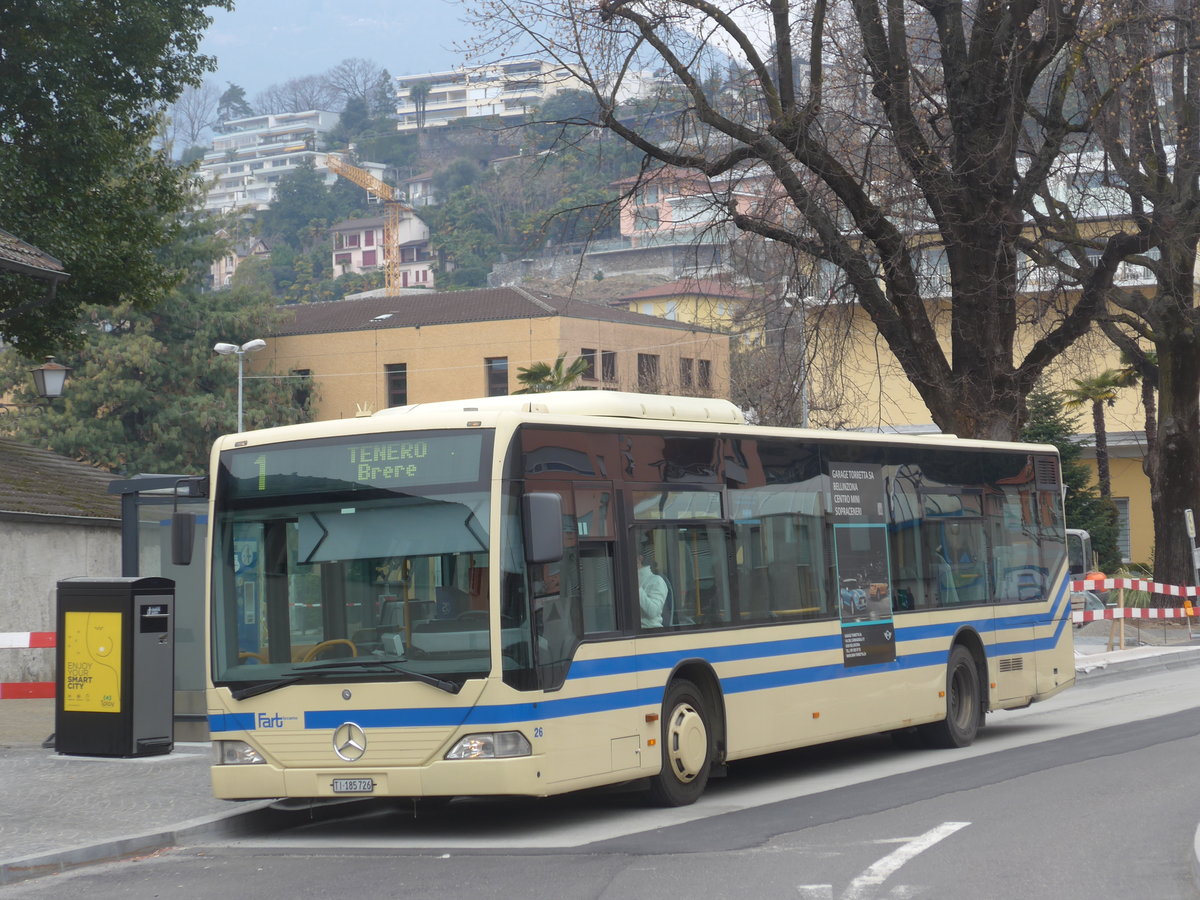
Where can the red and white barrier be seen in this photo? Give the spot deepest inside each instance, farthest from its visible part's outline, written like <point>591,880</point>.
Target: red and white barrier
<point>1136,612</point>
<point>1135,584</point>
<point>26,640</point>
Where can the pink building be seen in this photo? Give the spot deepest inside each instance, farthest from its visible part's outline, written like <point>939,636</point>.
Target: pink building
<point>358,247</point>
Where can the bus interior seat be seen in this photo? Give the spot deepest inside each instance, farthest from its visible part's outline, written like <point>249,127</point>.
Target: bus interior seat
<point>668,608</point>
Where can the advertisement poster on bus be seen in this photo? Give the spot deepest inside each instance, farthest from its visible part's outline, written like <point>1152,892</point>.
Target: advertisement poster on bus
<point>864,583</point>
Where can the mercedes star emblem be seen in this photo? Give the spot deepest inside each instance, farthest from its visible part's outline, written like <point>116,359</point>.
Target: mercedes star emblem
<point>349,742</point>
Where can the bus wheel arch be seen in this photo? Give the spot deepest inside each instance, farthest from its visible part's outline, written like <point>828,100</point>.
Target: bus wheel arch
<point>966,694</point>
<point>691,735</point>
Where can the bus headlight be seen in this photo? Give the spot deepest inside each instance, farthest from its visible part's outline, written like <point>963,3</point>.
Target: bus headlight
<point>235,753</point>
<point>496,745</point>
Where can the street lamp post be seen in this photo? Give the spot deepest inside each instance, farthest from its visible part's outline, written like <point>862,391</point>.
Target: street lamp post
<point>48,381</point>
<point>240,352</point>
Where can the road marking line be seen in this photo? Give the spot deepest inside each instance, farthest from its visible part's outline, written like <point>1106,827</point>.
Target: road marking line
<point>877,874</point>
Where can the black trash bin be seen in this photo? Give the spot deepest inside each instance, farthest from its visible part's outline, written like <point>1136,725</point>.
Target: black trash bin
<point>116,667</point>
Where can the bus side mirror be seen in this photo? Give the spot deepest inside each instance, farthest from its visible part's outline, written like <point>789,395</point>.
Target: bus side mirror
<point>183,533</point>
<point>542,522</point>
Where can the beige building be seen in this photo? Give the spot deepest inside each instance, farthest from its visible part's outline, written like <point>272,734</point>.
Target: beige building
<point>371,353</point>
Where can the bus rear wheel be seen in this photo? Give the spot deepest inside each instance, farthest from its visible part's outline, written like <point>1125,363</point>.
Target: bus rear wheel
<point>688,745</point>
<point>963,704</point>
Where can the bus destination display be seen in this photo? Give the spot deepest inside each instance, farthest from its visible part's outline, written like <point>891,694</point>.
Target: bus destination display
<point>393,462</point>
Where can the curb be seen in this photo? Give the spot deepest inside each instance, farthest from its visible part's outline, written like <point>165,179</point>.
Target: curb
<point>257,815</point>
<point>58,861</point>
<point>1158,660</point>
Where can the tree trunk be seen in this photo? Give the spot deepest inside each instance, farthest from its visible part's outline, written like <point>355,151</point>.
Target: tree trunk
<point>1176,457</point>
<point>1103,475</point>
<point>1151,408</point>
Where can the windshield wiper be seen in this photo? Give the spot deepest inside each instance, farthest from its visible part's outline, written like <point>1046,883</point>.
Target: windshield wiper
<point>263,687</point>
<point>337,665</point>
<point>367,665</point>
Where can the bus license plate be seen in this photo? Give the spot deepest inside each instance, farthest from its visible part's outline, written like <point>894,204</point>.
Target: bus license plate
<point>353,785</point>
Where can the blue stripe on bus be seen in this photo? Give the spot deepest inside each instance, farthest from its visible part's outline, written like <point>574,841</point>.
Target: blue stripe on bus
<point>486,715</point>
<point>231,722</point>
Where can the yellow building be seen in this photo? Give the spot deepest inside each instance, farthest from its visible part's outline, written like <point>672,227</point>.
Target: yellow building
<point>371,353</point>
<point>710,302</point>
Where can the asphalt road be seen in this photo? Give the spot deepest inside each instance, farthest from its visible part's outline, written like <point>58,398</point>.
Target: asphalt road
<point>1091,795</point>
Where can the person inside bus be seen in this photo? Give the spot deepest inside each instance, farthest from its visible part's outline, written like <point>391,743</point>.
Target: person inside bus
<point>652,589</point>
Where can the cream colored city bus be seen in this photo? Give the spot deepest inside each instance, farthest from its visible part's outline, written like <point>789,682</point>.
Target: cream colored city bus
<point>529,595</point>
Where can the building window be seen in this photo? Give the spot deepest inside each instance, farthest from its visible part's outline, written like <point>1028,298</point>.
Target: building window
<point>369,238</point>
<point>368,258</point>
<point>608,365</point>
<point>397,384</point>
<point>1123,544</point>
<point>588,354</point>
<point>352,240</point>
<point>704,374</point>
<point>685,372</point>
<point>497,376</point>
<point>341,259</point>
<point>645,218</point>
<point>648,372</point>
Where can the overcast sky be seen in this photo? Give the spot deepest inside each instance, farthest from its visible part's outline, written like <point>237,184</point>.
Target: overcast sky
<point>266,42</point>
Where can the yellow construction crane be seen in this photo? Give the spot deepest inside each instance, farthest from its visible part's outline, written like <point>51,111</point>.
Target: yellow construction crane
<point>394,210</point>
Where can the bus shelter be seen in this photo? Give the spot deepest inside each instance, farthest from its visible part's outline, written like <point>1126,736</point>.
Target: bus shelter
<point>147,502</point>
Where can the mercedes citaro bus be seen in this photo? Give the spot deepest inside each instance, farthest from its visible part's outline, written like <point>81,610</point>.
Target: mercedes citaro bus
<point>443,599</point>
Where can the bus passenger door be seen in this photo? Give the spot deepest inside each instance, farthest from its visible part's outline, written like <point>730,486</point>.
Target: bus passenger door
<point>1019,588</point>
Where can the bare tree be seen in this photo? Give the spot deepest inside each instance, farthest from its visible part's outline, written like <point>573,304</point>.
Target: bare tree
<point>298,95</point>
<point>1137,176</point>
<point>354,78</point>
<point>195,112</point>
<point>900,140</point>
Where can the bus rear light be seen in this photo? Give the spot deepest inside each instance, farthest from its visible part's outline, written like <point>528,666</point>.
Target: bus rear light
<point>235,753</point>
<point>494,745</point>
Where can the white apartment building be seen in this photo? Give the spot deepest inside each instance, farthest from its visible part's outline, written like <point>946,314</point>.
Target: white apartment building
<point>249,158</point>
<point>506,90</point>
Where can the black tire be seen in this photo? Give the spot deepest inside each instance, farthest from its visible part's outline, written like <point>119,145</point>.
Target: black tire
<point>687,744</point>
<point>963,704</point>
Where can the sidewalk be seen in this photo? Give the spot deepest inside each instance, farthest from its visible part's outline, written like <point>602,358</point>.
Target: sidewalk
<point>66,811</point>
<point>63,811</point>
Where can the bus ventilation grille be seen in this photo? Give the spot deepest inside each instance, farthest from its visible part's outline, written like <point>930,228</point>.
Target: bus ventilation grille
<point>1012,664</point>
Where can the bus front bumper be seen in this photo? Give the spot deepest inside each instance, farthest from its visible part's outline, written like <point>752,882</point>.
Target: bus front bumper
<point>444,778</point>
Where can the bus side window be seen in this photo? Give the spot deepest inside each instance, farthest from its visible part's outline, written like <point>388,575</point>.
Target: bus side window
<point>694,562</point>
<point>596,588</point>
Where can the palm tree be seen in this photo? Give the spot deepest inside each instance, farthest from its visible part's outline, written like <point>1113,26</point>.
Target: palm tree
<point>419,93</point>
<point>1099,391</point>
<point>542,377</point>
<point>1141,369</point>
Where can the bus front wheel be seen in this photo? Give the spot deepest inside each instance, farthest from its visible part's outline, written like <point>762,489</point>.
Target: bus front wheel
<point>687,744</point>
<point>963,704</point>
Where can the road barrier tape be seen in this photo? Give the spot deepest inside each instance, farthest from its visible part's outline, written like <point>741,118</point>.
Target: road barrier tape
<point>1135,584</point>
<point>1131,612</point>
<point>27,640</point>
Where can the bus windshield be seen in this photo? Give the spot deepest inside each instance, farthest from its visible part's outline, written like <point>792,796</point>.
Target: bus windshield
<point>365,560</point>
